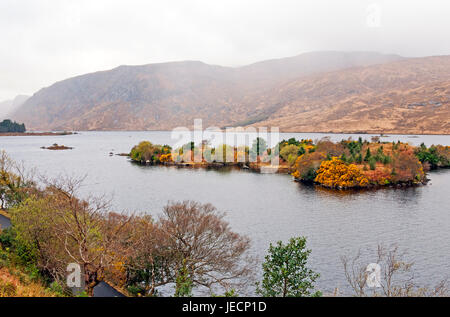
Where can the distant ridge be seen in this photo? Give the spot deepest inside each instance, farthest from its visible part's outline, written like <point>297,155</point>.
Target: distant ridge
<point>318,91</point>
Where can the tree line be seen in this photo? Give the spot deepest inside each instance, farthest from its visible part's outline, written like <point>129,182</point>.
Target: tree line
<point>10,126</point>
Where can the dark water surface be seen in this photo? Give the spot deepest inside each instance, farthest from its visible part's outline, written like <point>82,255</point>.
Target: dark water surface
<point>265,207</point>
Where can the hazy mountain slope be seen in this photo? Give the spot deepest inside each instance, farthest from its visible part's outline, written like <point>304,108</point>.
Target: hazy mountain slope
<point>163,96</point>
<point>9,106</point>
<point>310,63</point>
<point>409,96</point>
<point>131,97</point>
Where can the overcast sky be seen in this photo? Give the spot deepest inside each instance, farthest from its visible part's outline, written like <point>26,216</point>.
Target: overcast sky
<point>43,41</point>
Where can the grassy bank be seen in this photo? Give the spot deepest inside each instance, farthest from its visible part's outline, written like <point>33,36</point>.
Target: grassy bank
<point>18,279</point>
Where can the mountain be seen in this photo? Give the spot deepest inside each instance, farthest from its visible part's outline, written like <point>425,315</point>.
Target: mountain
<point>407,96</point>
<point>284,69</point>
<point>9,106</point>
<point>319,91</point>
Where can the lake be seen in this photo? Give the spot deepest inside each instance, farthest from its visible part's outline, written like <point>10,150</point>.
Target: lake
<point>266,207</point>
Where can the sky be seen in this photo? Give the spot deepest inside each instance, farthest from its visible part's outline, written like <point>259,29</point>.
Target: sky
<point>44,41</point>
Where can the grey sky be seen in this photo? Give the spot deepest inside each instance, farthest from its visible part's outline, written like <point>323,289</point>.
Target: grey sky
<point>43,41</point>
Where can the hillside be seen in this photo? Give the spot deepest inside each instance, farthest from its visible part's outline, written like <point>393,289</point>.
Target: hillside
<point>7,107</point>
<point>163,96</point>
<point>409,96</point>
<point>321,92</point>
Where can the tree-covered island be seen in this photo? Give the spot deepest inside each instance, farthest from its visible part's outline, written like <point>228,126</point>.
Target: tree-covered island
<point>339,165</point>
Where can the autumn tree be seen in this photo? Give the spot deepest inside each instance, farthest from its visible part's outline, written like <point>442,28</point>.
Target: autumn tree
<point>443,152</point>
<point>407,167</point>
<point>15,181</point>
<point>150,265</point>
<point>306,165</point>
<point>290,152</point>
<point>327,147</point>
<point>201,241</point>
<point>336,173</point>
<point>58,228</point>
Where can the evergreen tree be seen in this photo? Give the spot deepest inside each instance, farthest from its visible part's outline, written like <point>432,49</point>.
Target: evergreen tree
<point>9,126</point>
<point>359,158</point>
<point>285,271</point>
<point>368,155</point>
<point>184,283</point>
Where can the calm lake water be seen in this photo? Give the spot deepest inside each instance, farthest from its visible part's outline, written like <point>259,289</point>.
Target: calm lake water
<point>265,207</point>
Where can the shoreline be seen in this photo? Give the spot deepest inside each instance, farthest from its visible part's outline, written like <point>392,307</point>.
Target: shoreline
<point>381,134</point>
<point>398,185</point>
<point>254,167</point>
<point>286,170</point>
<point>36,133</point>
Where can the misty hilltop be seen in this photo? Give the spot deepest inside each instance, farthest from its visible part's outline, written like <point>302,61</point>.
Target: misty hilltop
<point>311,92</point>
<point>7,107</point>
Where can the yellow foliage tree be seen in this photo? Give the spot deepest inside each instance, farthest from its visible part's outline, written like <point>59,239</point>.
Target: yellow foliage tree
<point>166,157</point>
<point>337,174</point>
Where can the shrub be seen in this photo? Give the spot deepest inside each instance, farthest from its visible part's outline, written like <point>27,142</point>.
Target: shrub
<point>443,153</point>
<point>289,153</point>
<point>372,163</point>
<point>328,147</point>
<point>427,155</point>
<point>307,164</point>
<point>407,167</point>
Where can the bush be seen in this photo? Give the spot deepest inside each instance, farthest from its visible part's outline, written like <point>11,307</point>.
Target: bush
<point>407,167</point>
<point>372,163</point>
<point>428,155</point>
<point>7,289</point>
<point>6,238</point>
<point>307,164</point>
<point>289,153</point>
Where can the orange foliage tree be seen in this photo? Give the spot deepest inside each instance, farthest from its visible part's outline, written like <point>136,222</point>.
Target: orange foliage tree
<point>407,167</point>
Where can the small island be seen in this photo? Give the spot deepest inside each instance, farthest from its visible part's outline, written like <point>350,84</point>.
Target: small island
<point>12,128</point>
<point>342,165</point>
<point>57,147</point>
